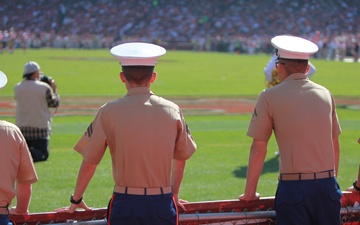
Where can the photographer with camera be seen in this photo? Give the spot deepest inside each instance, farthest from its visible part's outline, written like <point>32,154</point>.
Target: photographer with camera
<point>34,96</point>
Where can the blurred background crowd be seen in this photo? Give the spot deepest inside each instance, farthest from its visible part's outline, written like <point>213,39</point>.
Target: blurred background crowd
<point>239,26</point>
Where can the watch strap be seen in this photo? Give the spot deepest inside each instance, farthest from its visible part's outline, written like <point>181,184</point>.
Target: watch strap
<point>73,201</point>
<point>356,187</point>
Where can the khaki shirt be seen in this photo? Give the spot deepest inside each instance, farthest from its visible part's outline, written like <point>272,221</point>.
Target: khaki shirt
<point>144,133</point>
<point>16,164</point>
<point>303,116</point>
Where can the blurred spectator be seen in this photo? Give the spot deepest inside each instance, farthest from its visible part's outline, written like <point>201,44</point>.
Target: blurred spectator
<point>227,25</point>
<point>34,96</point>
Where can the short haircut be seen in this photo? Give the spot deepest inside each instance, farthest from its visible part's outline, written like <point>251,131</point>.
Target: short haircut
<point>296,60</point>
<point>28,75</point>
<point>138,74</point>
<point>296,65</point>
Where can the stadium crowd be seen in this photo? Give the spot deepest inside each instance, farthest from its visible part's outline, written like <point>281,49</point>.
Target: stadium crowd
<point>205,25</point>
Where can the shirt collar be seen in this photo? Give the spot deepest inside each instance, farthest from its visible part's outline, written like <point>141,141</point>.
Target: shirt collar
<point>139,90</point>
<point>296,76</point>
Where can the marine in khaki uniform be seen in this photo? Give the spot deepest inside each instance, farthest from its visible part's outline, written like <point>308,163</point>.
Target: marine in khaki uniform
<point>302,115</point>
<point>149,143</point>
<point>16,168</point>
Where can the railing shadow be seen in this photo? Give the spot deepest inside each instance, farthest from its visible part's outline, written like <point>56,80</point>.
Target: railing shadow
<point>270,166</point>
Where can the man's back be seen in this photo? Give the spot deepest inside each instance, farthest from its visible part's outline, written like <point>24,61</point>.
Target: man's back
<point>31,104</point>
<point>144,133</point>
<point>303,118</point>
<point>15,162</point>
<point>143,128</point>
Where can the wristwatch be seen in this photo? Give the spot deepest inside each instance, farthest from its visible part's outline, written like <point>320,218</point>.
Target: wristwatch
<point>72,200</point>
<point>356,187</point>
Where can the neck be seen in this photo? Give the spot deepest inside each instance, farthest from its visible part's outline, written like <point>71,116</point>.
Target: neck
<point>134,85</point>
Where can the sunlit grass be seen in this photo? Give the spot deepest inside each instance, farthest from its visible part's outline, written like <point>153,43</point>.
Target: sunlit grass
<point>217,170</point>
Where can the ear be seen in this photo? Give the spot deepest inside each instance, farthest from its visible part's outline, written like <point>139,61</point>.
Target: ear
<point>307,69</point>
<point>122,77</point>
<point>36,75</point>
<point>153,77</point>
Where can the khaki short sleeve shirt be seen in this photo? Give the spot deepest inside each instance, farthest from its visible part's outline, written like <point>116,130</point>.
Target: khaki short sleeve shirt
<point>16,164</point>
<point>144,134</point>
<point>302,115</point>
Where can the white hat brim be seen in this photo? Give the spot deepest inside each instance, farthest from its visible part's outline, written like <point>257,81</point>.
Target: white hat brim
<point>3,79</point>
<point>137,53</point>
<point>291,47</point>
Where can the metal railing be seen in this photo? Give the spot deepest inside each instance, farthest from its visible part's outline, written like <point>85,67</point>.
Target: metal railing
<point>349,215</point>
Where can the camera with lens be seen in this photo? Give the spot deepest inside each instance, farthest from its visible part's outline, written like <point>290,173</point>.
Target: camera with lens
<point>46,79</point>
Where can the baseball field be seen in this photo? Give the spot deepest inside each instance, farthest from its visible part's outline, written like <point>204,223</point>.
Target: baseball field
<point>217,92</point>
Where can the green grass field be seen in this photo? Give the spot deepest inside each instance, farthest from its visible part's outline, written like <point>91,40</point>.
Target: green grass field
<point>217,171</point>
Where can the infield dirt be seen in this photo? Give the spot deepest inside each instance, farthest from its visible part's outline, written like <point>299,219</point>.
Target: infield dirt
<point>190,106</point>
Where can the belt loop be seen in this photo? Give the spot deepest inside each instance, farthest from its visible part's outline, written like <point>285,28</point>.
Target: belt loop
<point>299,176</point>
<point>126,189</point>
<point>315,176</point>
<point>329,173</point>
<point>144,191</point>
<point>162,191</point>
<point>280,176</point>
